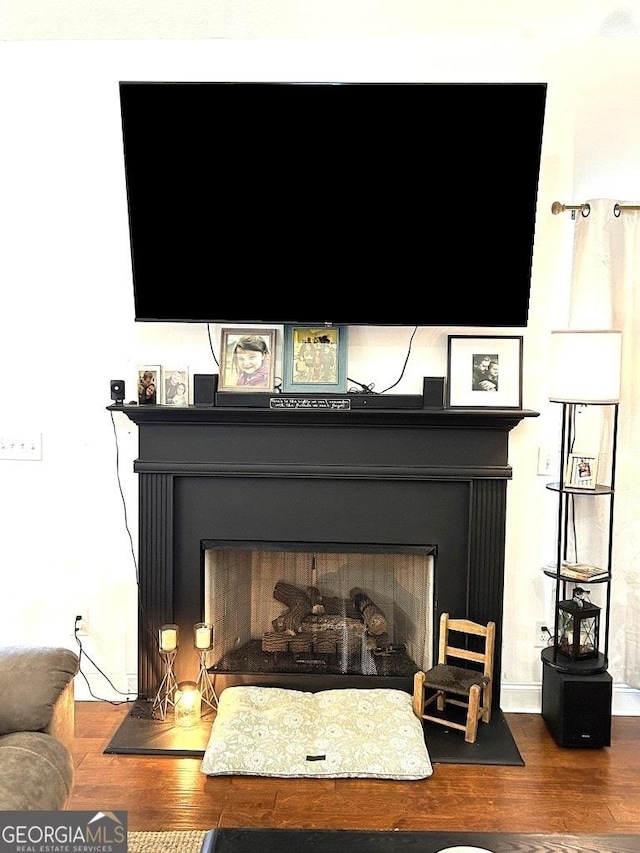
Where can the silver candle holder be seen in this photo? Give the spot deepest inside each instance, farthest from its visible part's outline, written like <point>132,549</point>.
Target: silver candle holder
<point>203,642</point>
<point>168,648</point>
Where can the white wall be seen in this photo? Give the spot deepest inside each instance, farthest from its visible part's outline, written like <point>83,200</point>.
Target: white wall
<point>66,316</point>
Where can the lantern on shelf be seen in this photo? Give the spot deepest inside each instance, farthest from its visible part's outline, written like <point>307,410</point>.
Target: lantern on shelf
<point>187,705</point>
<point>578,627</point>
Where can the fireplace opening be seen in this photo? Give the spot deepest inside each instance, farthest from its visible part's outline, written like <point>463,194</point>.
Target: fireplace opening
<point>320,609</point>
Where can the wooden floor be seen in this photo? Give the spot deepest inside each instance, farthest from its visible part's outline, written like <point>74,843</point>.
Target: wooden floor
<point>557,791</point>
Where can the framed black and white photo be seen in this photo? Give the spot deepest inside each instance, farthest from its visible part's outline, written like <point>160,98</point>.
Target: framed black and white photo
<point>582,469</point>
<point>315,359</point>
<point>247,359</point>
<point>175,386</point>
<point>148,379</point>
<point>484,371</point>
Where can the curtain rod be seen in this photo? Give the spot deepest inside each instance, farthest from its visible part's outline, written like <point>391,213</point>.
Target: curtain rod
<point>557,207</point>
<point>618,208</point>
<point>585,208</point>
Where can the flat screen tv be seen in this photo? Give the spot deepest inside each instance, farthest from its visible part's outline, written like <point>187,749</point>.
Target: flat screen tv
<point>337,203</point>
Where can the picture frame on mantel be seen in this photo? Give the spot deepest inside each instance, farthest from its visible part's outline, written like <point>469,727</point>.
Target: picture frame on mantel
<point>314,359</point>
<point>175,386</point>
<point>484,371</point>
<point>247,359</point>
<point>148,384</point>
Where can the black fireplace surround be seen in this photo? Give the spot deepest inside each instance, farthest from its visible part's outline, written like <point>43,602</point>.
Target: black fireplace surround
<point>405,477</point>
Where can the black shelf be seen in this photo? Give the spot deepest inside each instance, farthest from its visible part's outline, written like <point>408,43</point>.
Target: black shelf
<point>551,573</point>
<point>589,666</point>
<point>600,489</point>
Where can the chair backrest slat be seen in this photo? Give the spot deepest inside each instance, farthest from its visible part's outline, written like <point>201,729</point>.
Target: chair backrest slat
<point>465,654</point>
<point>466,627</point>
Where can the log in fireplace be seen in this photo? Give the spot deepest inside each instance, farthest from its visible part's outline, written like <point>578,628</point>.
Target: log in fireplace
<point>431,480</point>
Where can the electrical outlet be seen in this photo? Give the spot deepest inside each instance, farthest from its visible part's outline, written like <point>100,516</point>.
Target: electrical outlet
<point>81,622</point>
<point>542,636</point>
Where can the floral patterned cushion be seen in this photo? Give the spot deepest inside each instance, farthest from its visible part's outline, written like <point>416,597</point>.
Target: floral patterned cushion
<point>271,731</point>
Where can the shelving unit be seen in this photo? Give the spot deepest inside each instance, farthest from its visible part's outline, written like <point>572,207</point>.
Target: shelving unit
<point>604,489</point>
<point>570,687</point>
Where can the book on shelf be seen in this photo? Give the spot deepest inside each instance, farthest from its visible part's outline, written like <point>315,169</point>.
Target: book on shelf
<point>578,571</point>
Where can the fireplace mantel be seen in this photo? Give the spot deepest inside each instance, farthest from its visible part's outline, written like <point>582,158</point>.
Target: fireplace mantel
<point>379,476</point>
<point>407,417</point>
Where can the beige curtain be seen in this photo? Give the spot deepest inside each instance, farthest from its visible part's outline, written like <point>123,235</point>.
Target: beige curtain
<point>605,294</point>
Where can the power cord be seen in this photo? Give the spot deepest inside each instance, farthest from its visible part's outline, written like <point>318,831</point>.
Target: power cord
<point>406,361</point>
<point>361,389</point>
<point>81,654</point>
<point>211,346</point>
<point>368,389</point>
<point>141,610</point>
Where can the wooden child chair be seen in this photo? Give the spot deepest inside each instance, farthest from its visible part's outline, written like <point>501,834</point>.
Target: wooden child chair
<point>471,684</point>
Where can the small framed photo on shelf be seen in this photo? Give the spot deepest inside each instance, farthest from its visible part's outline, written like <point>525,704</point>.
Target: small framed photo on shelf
<point>582,470</point>
<point>149,384</point>
<point>484,372</point>
<point>175,386</point>
<point>314,359</point>
<point>247,359</point>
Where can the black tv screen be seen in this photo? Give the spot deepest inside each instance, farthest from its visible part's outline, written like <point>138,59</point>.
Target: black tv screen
<point>337,203</point>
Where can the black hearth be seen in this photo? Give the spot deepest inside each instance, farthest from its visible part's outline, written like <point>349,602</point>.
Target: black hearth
<point>384,478</point>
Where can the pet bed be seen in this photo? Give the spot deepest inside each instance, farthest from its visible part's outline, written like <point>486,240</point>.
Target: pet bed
<point>272,731</point>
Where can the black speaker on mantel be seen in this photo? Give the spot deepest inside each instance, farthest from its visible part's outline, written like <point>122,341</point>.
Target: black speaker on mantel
<point>205,386</point>
<point>117,390</point>
<point>433,392</point>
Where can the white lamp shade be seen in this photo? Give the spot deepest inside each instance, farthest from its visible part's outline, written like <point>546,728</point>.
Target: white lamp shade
<point>585,366</point>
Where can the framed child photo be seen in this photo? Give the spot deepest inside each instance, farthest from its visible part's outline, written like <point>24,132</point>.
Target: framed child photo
<point>149,384</point>
<point>582,469</point>
<point>315,359</point>
<point>175,386</point>
<point>484,372</point>
<point>247,359</point>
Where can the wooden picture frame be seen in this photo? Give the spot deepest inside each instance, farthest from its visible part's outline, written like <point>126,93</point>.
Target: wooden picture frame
<point>148,384</point>
<point>175,386</point>
<point>484,371</point>
<point>247,360</point>
<point>314,359</point>
<point>581,471</point>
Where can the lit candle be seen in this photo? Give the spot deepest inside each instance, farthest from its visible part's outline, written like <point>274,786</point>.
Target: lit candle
<point>203,636</point>
<point>168,639</point>
<point>188,704</point>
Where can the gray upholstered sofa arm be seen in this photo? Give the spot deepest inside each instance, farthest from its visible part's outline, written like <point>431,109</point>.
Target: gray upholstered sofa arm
<point>32,681</point>
<point>36,727</point>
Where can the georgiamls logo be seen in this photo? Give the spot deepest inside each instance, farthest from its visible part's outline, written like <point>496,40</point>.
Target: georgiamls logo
<point>64,832</point>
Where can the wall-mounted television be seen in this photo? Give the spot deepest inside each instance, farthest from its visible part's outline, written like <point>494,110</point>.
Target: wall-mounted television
<point>345,203</point>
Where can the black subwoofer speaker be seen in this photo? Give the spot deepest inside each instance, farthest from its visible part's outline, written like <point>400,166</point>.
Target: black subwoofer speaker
<point>205,386</point>
<point>577,708</point>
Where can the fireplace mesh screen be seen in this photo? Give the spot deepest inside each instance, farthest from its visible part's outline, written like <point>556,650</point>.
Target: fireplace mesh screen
<point>301,611</point>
